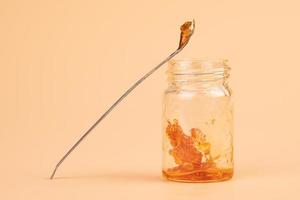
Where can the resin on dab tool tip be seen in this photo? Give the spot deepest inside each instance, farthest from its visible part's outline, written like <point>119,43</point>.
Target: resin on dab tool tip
<point>187,30</point>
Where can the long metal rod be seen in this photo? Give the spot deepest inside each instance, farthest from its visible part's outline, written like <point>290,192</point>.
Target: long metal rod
<point>113,106</point>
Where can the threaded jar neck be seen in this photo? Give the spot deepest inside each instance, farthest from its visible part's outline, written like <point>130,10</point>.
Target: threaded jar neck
<point>189,71</point>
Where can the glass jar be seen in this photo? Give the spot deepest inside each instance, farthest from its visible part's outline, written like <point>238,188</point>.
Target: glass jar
<point>197,122</point>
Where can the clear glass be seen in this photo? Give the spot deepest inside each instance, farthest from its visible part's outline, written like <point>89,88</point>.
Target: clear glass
<point>198,122</point>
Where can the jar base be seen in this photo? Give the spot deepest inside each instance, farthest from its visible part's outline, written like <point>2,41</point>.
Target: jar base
<point>200,176</point>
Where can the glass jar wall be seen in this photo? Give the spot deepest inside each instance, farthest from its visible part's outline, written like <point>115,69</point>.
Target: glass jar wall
<point>197,122</point>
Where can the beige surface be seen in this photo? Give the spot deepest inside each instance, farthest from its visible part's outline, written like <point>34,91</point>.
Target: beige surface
<point>63,63</point>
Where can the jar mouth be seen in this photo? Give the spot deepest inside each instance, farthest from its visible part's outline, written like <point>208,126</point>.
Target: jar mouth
<point>197,70</point>
<point>194,66</point>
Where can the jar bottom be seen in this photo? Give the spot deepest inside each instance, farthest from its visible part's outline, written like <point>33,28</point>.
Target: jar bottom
<point>199,176</point>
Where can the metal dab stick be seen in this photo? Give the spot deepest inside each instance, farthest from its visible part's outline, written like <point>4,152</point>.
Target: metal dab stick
<point>187,30</point>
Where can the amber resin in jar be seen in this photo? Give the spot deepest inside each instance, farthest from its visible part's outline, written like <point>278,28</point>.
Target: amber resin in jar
<point>197,122</point>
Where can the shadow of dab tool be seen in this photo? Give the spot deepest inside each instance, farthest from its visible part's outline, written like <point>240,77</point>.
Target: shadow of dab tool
<point>187,30</point>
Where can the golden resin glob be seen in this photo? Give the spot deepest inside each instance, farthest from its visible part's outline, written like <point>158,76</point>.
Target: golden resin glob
<point>192,156</point>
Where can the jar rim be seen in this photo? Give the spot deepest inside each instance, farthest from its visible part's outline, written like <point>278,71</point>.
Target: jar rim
<point>199,60</point>
<point>195,66</point>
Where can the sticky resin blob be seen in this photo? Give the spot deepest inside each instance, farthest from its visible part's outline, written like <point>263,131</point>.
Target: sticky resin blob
<point>192,155</point>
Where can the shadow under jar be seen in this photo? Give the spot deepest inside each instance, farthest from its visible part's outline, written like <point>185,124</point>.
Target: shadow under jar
<point>198,122</point>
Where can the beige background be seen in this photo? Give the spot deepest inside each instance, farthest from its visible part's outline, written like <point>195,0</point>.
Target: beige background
<point>63,62</point>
